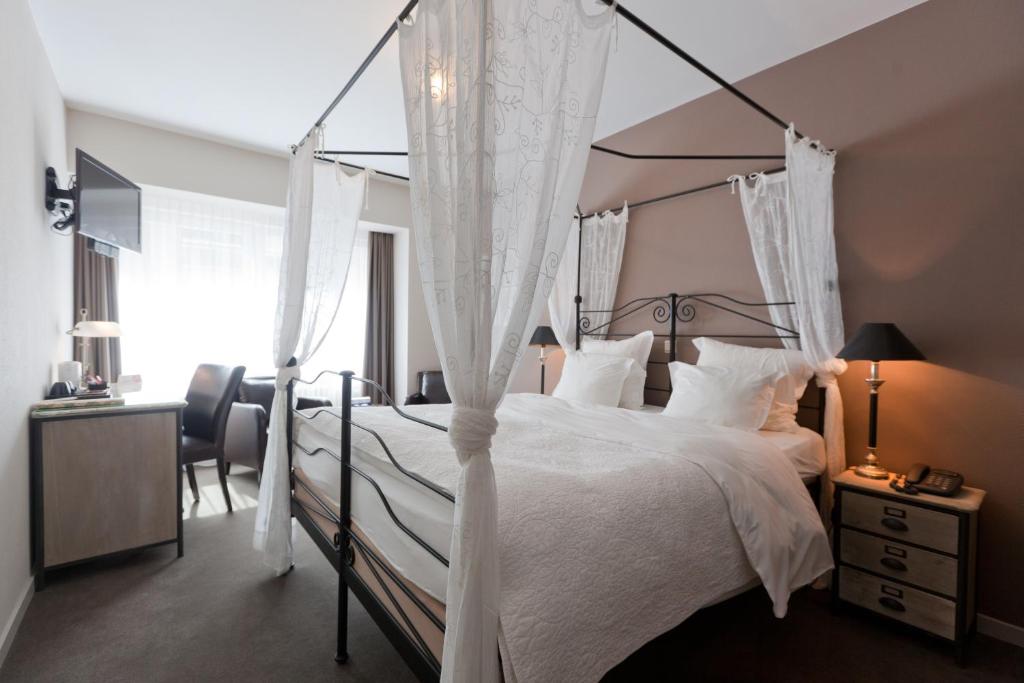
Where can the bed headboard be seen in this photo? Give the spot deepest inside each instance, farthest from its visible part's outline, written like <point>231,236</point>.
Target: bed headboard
<point>672,317</point>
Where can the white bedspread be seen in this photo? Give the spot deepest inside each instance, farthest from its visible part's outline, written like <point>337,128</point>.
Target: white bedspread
<point>617,525</point>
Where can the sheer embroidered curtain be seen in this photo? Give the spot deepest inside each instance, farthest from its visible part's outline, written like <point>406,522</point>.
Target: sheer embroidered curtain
<point>790,220</point>
<point>604,241</point>
<point>501,98</point>
<point>323,211</point>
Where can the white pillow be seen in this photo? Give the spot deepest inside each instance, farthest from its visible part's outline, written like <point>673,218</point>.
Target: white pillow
<point>593,378</point>
<point>788,363</point>
<point>721,396</point>
<point>638,348</point>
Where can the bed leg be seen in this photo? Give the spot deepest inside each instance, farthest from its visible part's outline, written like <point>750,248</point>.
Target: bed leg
<point>341,654</point>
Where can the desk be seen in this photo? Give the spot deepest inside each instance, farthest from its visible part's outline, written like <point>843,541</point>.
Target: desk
<point>104,481</point>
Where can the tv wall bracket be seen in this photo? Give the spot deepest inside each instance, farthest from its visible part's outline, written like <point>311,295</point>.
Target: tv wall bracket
<point>60,202</point>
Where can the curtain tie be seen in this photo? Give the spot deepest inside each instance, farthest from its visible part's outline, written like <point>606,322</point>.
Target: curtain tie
<point>827,373</point>
<point>285,375</point>
<point>471,430</point>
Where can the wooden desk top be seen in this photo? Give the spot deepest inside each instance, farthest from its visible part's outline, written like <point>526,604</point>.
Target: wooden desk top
<point>132,402</point>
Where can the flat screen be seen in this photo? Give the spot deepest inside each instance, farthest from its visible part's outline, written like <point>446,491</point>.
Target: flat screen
<point>108,205</point>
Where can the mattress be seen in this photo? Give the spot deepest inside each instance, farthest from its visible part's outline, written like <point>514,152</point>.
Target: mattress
<point>804,449</point>
<point>424,511</point>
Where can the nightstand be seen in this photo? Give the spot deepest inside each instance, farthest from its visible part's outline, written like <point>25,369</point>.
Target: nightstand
<point>909,558</point>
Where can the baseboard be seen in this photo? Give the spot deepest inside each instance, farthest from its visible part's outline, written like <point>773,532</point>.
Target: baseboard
<point>1000,630</point>
<point>11,627</point>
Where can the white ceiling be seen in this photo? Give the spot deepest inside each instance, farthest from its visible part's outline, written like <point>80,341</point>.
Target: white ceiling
<point>257,73</point>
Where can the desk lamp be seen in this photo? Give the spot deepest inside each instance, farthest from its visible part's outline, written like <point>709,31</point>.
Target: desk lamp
<point>877,342</point>
<point>86,329</point>
<point>543,337</point>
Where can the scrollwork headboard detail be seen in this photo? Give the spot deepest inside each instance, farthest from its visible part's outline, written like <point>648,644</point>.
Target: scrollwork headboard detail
<point>670,311</point>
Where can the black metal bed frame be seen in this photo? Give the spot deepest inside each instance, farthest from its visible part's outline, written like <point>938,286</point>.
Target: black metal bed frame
<point>344,546</point>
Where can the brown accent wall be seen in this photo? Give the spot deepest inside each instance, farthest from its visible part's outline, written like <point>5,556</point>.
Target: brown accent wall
<point>927,112</point>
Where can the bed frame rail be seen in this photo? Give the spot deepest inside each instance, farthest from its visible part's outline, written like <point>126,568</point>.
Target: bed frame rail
<point>343,548</point>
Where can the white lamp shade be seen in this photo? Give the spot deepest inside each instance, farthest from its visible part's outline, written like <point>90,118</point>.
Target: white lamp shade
<point>95,328</point>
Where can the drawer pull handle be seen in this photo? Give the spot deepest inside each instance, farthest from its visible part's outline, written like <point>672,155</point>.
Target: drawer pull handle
<point>892,603</point>
<point>893,564</point>
<point>894,524</point>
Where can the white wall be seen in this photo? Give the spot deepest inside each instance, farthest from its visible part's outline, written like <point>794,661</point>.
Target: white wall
<point>153,156</point>
<point>35,280</point>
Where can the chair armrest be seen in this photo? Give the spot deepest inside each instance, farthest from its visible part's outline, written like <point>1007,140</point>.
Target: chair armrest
<point>416,399</point>
<point>245,439</point>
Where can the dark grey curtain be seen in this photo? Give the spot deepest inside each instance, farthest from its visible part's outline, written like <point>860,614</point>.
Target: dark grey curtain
<point>96,291</point>
<point>378,355</point>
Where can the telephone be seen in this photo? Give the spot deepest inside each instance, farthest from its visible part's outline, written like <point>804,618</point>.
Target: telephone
<point>922,478</point>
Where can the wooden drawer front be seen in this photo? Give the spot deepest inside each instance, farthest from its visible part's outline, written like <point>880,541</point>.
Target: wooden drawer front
<point>913,565</point>
<point>109,483</point>
<point>908,523</point>
<point>917,608</point>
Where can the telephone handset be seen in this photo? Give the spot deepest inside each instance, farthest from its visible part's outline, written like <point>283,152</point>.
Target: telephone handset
<point>921,478</point>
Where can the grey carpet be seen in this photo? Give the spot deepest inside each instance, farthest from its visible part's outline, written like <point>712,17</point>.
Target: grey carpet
<point>217,615</point>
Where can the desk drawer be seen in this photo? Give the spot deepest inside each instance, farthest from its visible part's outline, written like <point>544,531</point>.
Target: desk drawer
<point>929,528</point>
<point>906,563</point>
<point>917,608</point>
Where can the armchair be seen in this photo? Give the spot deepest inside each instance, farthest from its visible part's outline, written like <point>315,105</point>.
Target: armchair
<point>249,420</point>
<point>431,389</point>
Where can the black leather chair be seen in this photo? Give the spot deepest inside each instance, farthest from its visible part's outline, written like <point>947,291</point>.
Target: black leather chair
<point>246,439</point>
<point>431,389</point>
<point>205,418</point>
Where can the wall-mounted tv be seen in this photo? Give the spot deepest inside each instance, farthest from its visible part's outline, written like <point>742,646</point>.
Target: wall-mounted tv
<point>108,206</point>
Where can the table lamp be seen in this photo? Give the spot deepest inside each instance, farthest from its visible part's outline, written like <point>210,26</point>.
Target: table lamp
<point>543,336</point>
<point>877,342</point>
<point>86,329</point>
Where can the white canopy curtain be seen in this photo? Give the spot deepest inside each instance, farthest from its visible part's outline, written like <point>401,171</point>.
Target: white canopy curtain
<point>501,99</point>
<point>320,228</point>
<point>603,243</point>
<point>789,216</point>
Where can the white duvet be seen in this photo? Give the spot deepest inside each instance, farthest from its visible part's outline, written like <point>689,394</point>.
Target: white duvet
<point>615,525</point>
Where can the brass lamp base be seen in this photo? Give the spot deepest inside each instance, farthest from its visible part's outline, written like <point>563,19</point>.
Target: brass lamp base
<point>871,469</point>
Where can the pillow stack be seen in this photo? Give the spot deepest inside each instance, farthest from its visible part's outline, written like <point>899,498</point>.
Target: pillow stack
<point>607,373</point>
<point>788,365</point>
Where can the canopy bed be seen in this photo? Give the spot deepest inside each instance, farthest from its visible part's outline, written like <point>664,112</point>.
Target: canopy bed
<point>419,536</point>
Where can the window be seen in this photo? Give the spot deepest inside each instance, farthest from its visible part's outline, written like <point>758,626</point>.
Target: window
<point>204,290</point>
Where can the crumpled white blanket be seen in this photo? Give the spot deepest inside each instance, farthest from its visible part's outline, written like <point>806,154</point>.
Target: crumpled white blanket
<point>617,525</point>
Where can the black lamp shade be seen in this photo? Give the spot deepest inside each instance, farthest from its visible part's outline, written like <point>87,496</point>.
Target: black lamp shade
<point>880,341</point>
<point>543,336</point>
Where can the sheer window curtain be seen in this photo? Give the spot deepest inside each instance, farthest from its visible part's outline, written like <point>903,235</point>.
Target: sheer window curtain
<point>604,242</point>
<point>203,291</point>
<point>199,291</point>
<point>500,100</point>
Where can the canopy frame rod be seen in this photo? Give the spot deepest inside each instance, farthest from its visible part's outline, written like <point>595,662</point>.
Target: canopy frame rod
<point>616,7</point>
<point>677,195</point>
<point>599,148</point>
